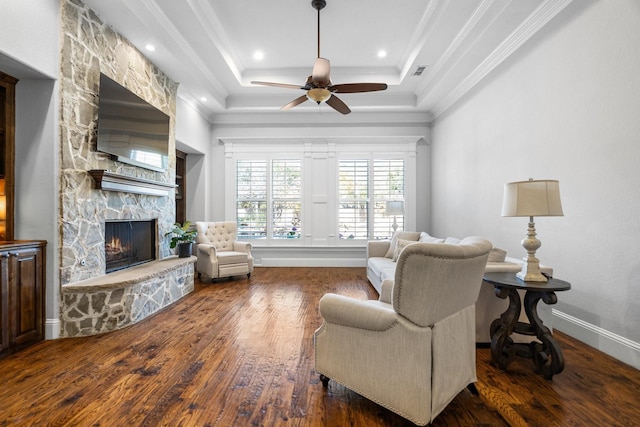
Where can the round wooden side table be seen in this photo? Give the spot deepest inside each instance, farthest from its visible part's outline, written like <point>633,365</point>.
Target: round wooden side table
<point>546,353</point>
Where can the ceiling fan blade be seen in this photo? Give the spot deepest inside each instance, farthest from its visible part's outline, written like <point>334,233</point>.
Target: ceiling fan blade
<point>295,102</point>
<point>284,85</point>
<point>358,87</point>
<point>320,76</point>
<point>337,104</point>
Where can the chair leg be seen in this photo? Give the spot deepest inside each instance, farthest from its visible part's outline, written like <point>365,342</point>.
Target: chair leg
<point>473,389</point>
<point>324,380</point>
<point>248,275</point>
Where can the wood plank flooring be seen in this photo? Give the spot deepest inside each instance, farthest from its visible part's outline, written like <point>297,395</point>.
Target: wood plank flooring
<point>240,353</point>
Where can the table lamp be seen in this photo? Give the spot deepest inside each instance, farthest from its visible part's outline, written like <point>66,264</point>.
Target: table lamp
<point>532,198</point>
<point>394,207</point>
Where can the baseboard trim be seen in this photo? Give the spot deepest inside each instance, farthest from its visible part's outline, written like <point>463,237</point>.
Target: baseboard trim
<point>614,345</point>
<point>52,329</point>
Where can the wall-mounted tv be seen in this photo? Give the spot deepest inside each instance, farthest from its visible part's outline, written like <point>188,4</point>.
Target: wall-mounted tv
<point>131,129</point>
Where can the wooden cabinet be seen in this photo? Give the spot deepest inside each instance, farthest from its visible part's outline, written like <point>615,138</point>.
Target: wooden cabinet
<point>22,291</point>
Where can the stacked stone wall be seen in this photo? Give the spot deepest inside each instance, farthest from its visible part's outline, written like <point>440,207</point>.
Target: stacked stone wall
<point>90,47</point>
<point>123,298</point>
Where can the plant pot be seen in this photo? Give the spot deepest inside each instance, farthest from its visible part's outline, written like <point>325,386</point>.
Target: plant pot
<point>185,250</point>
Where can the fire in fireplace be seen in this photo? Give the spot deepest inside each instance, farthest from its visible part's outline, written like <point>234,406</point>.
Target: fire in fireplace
<point>129,243</point>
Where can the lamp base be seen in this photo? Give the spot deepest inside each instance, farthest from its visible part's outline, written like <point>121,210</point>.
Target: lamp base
<point>531,271</point>
<point>531,268</point>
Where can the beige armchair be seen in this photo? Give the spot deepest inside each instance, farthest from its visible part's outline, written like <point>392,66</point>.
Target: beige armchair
<point>415,351</point>
<point>219,253</point>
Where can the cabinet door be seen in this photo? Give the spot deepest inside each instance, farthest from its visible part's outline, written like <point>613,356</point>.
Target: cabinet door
<point>26,296</point>
<point>4,303</point>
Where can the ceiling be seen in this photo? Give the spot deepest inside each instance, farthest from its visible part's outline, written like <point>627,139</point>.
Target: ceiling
<point>208,47</point>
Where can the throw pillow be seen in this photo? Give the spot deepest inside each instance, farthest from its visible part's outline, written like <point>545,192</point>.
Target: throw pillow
<point>426,238</point>
<point>452,241</point>
<point>497,255</point>
<point>404,235</point>
<point>400,245</point>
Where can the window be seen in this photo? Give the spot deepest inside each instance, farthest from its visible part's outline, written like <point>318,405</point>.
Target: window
<point>317,193</point>
<point>353,195</point>
<point>388,185</point>
<point>363,190</point>
<point>251,198</point>
<point>269,205</point>
<point>286,193</point>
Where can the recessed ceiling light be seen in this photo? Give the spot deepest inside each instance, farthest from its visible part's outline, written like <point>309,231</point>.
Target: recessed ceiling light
<point>382,53</point>
<point>258,55</point>
<point>150,48</point>
<point>203,99</point>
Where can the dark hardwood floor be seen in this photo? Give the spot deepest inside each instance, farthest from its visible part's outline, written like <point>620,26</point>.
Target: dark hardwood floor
<point>240,353</point>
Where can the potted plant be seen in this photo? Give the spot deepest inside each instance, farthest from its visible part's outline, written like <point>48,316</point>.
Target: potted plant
<point>182,236</point>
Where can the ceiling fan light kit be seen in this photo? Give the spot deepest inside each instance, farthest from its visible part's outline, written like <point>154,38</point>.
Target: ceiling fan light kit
<point>318,86</point>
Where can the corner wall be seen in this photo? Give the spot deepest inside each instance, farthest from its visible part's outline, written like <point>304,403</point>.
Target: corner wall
<point>564,107</point>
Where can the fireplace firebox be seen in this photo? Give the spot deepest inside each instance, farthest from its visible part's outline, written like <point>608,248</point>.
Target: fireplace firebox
<point>128,243</point>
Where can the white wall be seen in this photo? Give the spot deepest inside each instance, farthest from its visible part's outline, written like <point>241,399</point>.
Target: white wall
<point>29,50</point>
<point>29,34</point>
<point>36,180</point>
<point>193,136</point>
<point>565,107</point>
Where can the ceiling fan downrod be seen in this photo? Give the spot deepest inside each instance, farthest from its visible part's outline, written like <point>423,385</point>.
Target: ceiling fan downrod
<point>318,5</point>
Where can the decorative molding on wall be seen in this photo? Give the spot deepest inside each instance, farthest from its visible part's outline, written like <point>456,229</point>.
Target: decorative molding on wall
<point>316,256</point>
<point>545,13</point>
<point>612,344</point>
<point>110,181</point>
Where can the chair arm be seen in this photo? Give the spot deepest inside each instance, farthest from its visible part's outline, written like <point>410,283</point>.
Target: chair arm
<point>386,291</point>
<point>206,249</point>
<point>345,311</point>
<point>242,246</point>
<point>377,248</point>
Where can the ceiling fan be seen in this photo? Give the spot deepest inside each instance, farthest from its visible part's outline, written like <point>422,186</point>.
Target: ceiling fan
<point>319,86</point>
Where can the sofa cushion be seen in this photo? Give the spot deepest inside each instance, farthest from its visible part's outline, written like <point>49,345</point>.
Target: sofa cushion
<point>231,257</point>
<point>452,241</point>
<point>497,255</point>
<point>382,268</point>
<point>404,235</point>
<point>426,238</point>
<point>400,245</point>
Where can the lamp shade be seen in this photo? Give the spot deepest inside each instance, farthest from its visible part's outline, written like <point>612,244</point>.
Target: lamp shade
<point>532,198</point>
<point>394,207</point>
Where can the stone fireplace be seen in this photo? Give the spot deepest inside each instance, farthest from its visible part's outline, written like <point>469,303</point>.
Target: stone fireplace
<point>93,302</point>
<point>129,243</point>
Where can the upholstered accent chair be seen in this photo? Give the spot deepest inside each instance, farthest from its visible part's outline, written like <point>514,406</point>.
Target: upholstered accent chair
<point>219,252</point>
<point>414,350</point>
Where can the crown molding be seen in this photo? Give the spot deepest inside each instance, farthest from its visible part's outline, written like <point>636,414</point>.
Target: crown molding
<point>536,21</point>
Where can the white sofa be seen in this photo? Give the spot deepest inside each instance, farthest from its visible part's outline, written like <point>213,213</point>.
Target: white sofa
<point>381,268</point>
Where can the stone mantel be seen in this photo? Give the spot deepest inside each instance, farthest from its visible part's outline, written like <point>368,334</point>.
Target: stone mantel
<point>111,181</point>
<point>130,276</point>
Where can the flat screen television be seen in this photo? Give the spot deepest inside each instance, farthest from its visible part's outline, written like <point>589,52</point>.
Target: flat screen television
<point>130,129</point>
